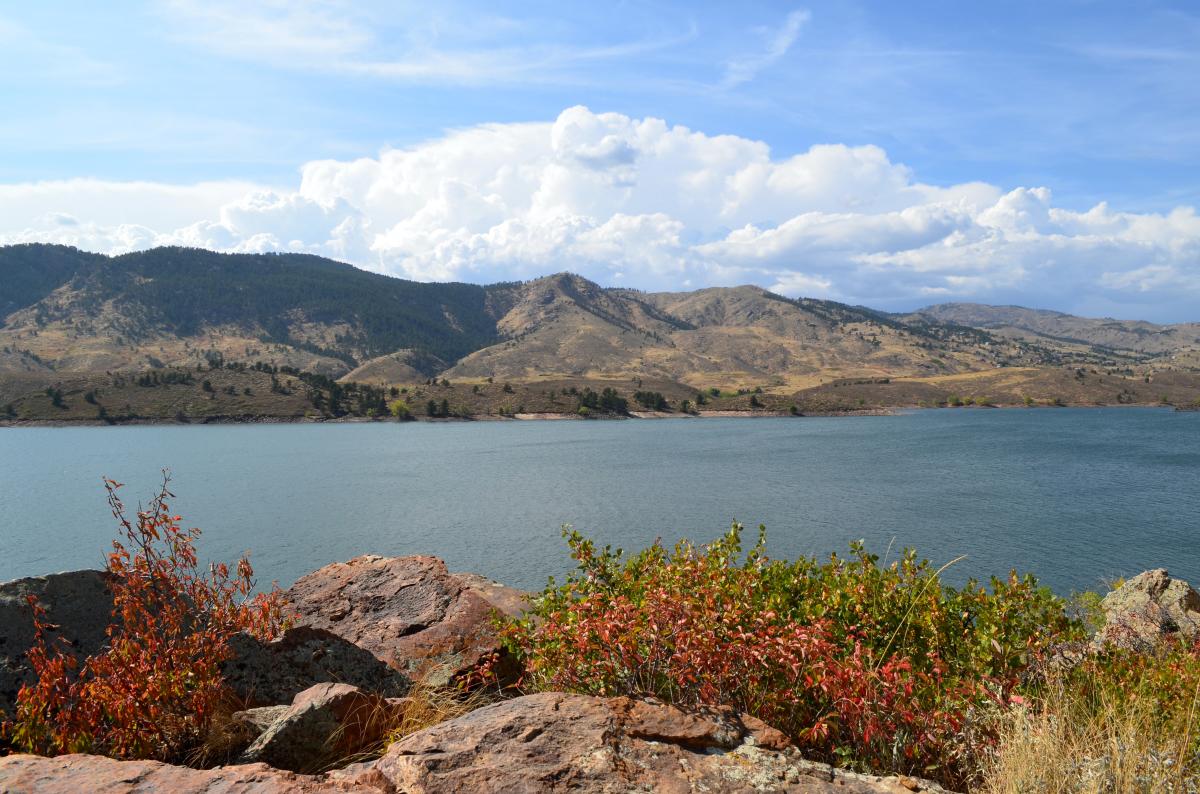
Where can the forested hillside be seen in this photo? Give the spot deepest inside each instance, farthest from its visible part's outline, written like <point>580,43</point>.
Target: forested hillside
<point>278,297</point>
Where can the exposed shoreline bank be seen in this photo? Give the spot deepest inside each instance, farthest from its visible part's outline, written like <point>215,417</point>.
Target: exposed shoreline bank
<point>539,417</point>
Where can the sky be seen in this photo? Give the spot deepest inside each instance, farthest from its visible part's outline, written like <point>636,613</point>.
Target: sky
<point>890,154</point>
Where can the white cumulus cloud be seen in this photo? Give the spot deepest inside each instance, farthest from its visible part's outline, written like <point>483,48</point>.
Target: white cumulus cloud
<point>642,203</point>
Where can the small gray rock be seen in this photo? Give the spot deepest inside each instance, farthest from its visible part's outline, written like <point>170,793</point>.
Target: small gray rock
<point>1149,608</point>
<point>325,725</point>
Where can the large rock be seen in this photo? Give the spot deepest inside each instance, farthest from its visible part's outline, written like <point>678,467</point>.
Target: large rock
<point>540,743</point>
<point>1149,608</point>
<point>326,724</point>
<point>269,673</point>
<point>78,602</point>
<point>76,774</point>
<point>559,742</point>
<point>409,611</point>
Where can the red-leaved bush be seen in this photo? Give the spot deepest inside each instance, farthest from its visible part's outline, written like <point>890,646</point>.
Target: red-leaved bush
<point>151,692</point>
<point>705,626</point>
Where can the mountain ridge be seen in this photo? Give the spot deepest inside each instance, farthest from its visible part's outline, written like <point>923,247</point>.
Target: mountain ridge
<point>68,310</point>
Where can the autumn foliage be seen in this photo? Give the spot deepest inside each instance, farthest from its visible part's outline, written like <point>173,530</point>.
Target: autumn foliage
<point>875,667</point>
<point>151,692</point>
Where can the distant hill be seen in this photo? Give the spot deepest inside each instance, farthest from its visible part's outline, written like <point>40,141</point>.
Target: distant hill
<point>64,310</point>
<point>79,311</point>
<point>1050,326</point>
<point>566,325</point>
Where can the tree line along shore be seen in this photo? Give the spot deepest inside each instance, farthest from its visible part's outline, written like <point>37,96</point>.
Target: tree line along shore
<point>233,392</point>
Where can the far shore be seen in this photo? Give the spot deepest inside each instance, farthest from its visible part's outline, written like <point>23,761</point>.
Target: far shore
<point>520,417</point>
<point>537,417</point>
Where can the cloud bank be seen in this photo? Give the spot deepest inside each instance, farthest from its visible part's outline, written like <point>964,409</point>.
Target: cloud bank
<point>640,203</point>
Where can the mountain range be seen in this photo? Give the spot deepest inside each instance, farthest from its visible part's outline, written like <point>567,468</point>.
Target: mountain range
<point>65,310</point>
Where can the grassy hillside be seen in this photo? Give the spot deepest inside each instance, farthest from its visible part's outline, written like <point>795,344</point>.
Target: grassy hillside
<point>233,393</point>
<point>236,392</point>
<point>1055,327</point>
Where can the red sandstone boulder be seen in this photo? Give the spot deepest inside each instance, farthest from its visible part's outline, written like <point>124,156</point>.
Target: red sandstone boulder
<point>270,673</point>
<point>411,612</point>
<point>540,743</point>
<point>558,742</point>
<point>93,774</point>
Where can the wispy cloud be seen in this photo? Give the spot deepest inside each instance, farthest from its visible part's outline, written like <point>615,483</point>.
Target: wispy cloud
<point>333,37</point>
<point>745,68</point>
<point>534,64</point>
<point>24,52</point>
<point>1124,53</point>
<point>270,30</point>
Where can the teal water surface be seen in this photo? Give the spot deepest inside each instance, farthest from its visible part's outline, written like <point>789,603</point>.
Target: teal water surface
<point>1074,495</point>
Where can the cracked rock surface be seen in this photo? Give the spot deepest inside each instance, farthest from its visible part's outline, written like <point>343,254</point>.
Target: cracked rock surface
<point>411,612</point>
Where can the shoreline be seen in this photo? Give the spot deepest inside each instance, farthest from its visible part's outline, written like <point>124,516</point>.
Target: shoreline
<point>538,417</point>
<point>525,417</point>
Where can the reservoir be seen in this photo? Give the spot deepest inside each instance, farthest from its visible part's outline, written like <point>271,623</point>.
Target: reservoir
<point>1076,496</point>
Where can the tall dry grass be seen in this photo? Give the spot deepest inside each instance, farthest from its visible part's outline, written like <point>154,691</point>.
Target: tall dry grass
<point>428,703</point>
<point>1095,740</point>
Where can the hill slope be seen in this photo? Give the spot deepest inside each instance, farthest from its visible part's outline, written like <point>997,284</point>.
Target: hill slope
<point>1049,326</point>
<point>176,305</point>
<point>68,311</point>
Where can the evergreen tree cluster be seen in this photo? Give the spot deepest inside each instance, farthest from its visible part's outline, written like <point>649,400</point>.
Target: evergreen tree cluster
<point>607,401</point>
<point>651,400</point>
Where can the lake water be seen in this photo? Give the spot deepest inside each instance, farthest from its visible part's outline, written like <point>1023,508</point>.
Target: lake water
<point>1075,495</point>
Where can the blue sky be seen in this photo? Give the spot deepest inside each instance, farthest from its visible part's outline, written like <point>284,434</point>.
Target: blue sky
<point>238,126</point>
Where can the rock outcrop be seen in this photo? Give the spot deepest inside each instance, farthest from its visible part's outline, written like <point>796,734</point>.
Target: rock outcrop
<point>1149,608</point>
<point>270,673</point>
<point>411,612</point>
<point>539,743</point>
<point>76,774</point>
<point>77,602</point>
<point>559,742</point>
<point>324,725</point>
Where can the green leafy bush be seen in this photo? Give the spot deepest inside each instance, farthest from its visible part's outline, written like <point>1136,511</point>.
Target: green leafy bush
<point>880,667</point>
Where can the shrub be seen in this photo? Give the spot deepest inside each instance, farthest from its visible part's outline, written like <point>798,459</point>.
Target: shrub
<point>881,668</point>
<point>152,691</point>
